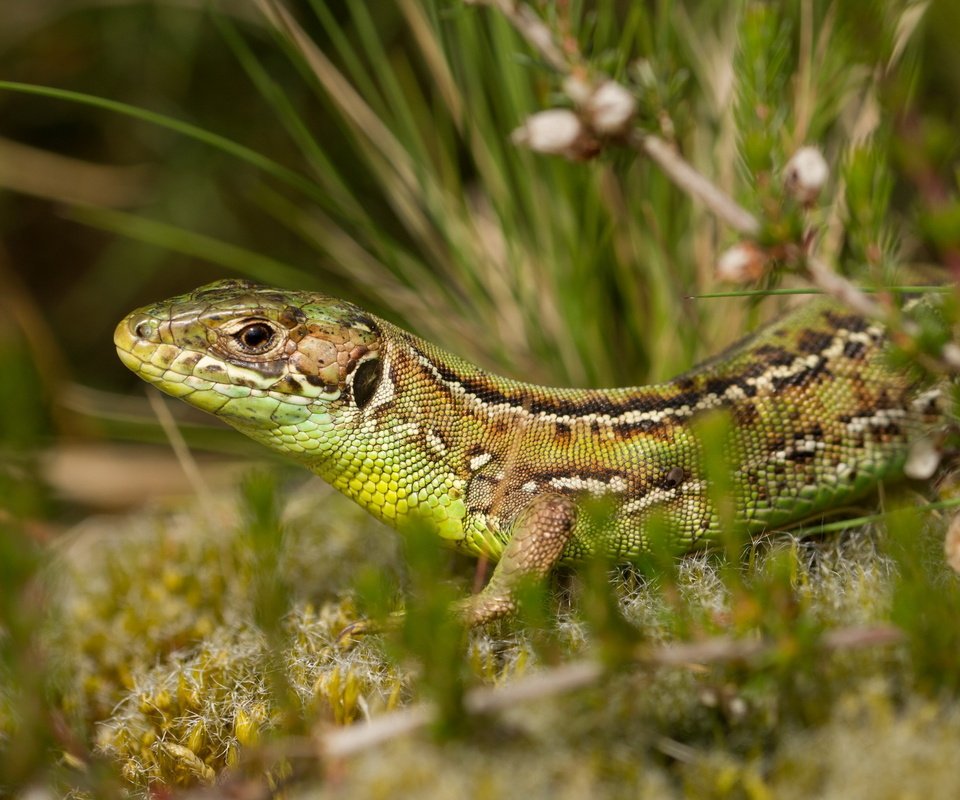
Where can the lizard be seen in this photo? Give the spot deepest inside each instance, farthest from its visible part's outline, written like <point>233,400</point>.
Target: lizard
<point>508,470</point>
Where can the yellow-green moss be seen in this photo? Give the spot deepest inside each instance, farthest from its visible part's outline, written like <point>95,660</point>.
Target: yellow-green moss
<point>162,664</point>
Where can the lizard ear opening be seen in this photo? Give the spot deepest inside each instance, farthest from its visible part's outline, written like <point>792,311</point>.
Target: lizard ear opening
<point>366,378</point>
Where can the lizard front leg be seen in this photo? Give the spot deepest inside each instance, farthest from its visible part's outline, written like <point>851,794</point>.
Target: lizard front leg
<point>537,539</point>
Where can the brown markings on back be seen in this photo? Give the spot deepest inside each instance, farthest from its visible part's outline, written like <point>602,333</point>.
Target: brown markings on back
<point>812,342</point>
<point>850,322</point>
<point>774,355</point>
<point>563,432</point>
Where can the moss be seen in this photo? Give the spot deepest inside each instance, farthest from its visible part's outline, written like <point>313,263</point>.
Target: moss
<point>423,769</point>
<point>155,648</point>
<point>189,718</point>
<point>131,597</point>
<point>872,747</point>
<point>162,663</point>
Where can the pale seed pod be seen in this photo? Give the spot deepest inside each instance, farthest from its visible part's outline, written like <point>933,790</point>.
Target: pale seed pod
<point>923,458</point>
<point>742,263</point>
<point>557,131</point>
<point>611,109</point>
<point>806,174</point>
<point>577,88</point>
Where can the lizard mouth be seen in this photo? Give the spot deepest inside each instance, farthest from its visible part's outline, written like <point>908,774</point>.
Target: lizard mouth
<point>125,339</point>
<point>142,351</point>
<point>134,340</point>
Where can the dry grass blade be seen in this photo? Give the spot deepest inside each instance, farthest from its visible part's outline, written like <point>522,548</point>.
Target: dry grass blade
<point>50,176</point>
<point>696,184</point>
<point>342,743</point>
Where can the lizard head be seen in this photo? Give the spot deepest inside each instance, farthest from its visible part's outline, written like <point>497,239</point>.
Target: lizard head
<point>272,363</point>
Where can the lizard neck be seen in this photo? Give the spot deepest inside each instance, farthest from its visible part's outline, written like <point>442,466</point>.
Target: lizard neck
<point>442,441</point>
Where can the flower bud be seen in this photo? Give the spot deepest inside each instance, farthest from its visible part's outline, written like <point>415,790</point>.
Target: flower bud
<point>923,458</point>
<point>577,88</point>
<point>806,174</point>
<point>611,108</point>
<point>742,263</point>
<point>558,131</point>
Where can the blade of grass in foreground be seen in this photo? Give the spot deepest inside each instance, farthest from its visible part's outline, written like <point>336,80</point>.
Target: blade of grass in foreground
<point>179,240</point>
<point>215,140</point>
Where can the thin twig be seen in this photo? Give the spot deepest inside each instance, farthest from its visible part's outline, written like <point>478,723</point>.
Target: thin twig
<point>835,285</point>
<point>682,173</point>
<point>695,183</point>
<point>344,742</point>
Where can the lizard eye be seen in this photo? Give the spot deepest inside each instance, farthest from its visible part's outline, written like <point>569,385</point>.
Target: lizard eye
<point>256,338</point>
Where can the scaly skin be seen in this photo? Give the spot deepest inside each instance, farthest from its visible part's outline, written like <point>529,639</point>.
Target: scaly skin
<point>512,471</point>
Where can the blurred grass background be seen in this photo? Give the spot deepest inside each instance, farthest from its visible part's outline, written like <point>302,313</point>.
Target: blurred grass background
<point>391,179</point>
<point>407,197</point>
<point>378,167</point>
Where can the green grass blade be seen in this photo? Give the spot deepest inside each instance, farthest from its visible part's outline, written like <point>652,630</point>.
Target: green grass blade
<point>214,140</point>
<point>171,237</point>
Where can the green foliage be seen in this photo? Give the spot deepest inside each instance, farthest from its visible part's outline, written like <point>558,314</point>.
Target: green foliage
<point>934,642</point>
<point>271,595</point>
<point>764,66</point>
<point>430,634</point>
<point>25,730</point>
<point>870,238</point>
<point>22,428</point>
<point>209,708</point>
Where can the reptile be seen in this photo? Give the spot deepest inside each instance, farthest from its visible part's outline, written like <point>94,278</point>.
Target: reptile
<point>510,470</point>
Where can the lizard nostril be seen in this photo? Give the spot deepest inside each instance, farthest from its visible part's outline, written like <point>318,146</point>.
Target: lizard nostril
<point>144,329</point>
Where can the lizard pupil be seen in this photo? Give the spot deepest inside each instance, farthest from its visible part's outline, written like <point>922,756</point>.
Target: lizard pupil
<point>256,338</point>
